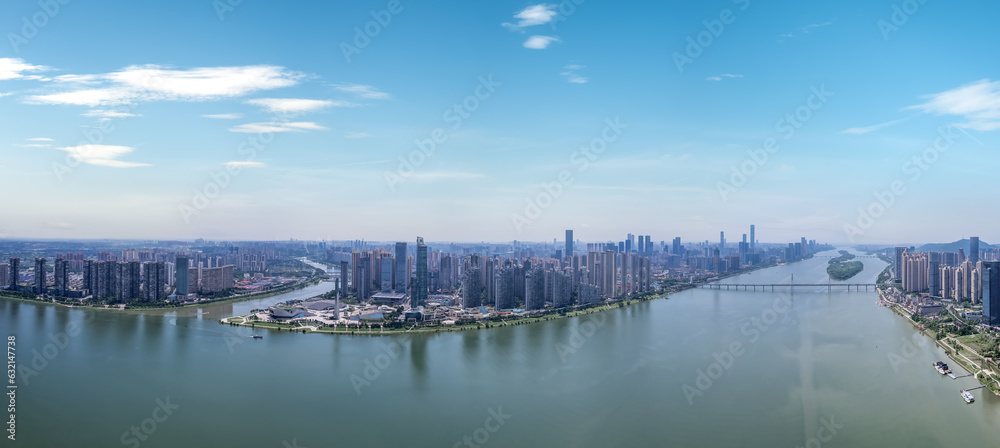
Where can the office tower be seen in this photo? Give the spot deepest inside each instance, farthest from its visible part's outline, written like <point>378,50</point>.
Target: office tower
<point>934,276</point>
<point>897,268</point>
<point>991,292</point>
<point>722,241</point>
<point>649,246</point>
<point>181,277</point>
<point>472,287</point>
<point>61,277</point>
<point>974,249</point>
<point>387,274</point>
<point>569,243</point>
<point>40,275</point>
<point>676,247</point>
<point>402,275</point>
<point>362,276</point>
<point>154,275</point>
<point>642,245</point>
<point>344,270</point>
<point>628,243</point>
<point>419,294</point>
<point>753,238</point>
<point>4,275</point>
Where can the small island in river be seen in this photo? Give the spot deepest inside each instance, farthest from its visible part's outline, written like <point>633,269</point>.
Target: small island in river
<point>842,268</point>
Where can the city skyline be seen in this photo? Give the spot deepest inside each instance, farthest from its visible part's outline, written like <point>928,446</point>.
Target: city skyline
<point>168,122</point>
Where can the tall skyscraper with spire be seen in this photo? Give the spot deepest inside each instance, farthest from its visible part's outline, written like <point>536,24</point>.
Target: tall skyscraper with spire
<point>419,293</point>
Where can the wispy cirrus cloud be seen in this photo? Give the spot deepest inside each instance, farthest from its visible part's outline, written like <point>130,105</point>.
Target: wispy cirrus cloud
<point>103,155</point>
<point>295,105</point>
<point>15,68</point>
<point>723,76</point>
<point>865,130</point>
<point>808,28</point>
<point>108,113</point>
<point>362,90</point>
<point>244,164</point>
<point>40,139</point>
<point>142,83</point>
<point>572,74</point>
<point>532,16</point>
<point>233,116</point>
<point>354,135</point>
<point>540,42</point>
<point>977,103</point>
<point>299,126</point>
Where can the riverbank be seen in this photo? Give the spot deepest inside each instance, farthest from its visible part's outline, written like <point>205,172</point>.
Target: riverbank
<point>379,329</point>
<point>166,307</point>
<point>954,353</point>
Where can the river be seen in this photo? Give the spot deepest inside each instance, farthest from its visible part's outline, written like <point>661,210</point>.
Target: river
<point>705,368</point>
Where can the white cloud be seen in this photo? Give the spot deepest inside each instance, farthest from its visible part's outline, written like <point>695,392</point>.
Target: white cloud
<point>724,75</point>
<point>868,129</point>
<point>103,155</point>
<point>14,68</point>
<point>531,16</point>
<point>40,139</point>
<point>244,164</point>
<point>357,135</point>
<point>107,113</point>
<point>571,74</point>
<point>300,126</point>
<point>34,145</point>
<point>224,116</point>
<point>362,90</point>
<point>811,26</point>
<point>156,83</point>
<point>295,105</point>
<point>978,103</point>
<point>539,42</point>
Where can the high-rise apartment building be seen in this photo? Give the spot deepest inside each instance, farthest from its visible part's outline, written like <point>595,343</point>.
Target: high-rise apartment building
<point>40,283</point>
<point>991,292</point>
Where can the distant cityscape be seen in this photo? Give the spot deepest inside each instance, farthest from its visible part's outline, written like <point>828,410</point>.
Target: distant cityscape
<point>928,281</point>
<point>470,279</point>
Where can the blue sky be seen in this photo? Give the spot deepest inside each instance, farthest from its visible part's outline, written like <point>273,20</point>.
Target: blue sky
<point>118,119</point>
